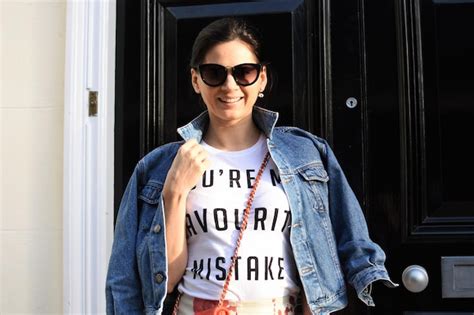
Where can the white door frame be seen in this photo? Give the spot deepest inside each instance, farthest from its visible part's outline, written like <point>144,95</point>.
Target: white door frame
<point>88,154</point>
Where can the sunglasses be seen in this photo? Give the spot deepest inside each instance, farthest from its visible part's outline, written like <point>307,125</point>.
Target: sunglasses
<point>244,74</point>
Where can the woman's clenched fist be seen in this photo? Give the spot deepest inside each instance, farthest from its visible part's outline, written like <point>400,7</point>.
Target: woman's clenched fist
<point>187,168</point>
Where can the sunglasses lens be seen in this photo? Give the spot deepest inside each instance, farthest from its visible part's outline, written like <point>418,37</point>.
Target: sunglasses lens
<point>212,74</point>
<point>246,74</point>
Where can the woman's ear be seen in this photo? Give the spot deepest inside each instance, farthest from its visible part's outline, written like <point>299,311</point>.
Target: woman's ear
<point>194,81</point>
<point>263,78</point>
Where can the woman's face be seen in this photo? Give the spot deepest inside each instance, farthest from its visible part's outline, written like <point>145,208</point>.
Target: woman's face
<point>229,103</point>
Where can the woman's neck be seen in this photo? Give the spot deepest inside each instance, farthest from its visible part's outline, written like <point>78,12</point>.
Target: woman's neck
<point>232,137</point>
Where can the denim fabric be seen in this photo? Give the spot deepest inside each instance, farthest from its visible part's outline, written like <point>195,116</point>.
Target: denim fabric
<point>329,234</point>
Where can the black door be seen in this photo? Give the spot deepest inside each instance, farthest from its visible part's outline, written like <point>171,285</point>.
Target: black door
<point>407,143</point>
<point>388,83</point>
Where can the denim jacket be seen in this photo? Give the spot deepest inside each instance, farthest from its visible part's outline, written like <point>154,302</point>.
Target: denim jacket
<point>329,234</point>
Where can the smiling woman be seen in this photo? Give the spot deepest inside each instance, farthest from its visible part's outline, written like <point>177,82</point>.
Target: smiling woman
<point>232,94</point>
<point>305,225</point>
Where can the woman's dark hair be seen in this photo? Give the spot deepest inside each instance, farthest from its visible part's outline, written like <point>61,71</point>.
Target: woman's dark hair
<point>221,31</point>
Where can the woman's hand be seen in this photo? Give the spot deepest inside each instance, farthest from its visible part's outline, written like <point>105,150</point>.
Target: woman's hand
<point>188,166</point>
<point>186,170</point>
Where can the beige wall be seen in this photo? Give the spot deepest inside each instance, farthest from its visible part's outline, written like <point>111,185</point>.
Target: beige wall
<point>32,54</point>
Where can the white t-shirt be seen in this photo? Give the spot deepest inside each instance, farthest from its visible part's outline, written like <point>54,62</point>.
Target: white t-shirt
<point>265,267</point>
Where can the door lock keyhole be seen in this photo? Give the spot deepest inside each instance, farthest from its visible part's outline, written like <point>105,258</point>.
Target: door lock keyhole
<point>351,102</point>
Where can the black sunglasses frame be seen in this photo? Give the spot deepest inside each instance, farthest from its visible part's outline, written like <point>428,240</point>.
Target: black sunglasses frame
<point>258,67</point>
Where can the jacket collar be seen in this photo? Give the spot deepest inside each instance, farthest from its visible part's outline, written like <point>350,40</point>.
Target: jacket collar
<point>263,118</point>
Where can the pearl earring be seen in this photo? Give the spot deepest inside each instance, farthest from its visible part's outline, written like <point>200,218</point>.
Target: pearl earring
<point>260,95</point>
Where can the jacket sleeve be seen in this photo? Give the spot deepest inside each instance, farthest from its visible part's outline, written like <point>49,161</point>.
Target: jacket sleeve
<point>362,260</point>
<point>123,288</point>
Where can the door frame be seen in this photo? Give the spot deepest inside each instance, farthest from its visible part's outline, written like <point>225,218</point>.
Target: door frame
<point>88,185</point>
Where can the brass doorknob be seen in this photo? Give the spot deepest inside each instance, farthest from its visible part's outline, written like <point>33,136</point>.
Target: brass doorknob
<point>415,278</point>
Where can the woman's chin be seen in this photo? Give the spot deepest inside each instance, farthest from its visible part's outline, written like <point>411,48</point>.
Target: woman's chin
<point>231,113</point>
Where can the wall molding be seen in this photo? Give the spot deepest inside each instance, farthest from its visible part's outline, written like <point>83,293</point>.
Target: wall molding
<point>88,212</point>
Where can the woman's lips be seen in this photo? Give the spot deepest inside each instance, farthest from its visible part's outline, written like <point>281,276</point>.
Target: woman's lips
<point>229,100</point>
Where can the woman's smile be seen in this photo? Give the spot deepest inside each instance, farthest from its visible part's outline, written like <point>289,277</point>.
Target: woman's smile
<point>230,100</point>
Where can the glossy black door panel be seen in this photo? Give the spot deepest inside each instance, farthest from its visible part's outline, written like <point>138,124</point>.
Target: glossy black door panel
<point>127,95</point>
<point>448,61</point>
<point>419,121</point>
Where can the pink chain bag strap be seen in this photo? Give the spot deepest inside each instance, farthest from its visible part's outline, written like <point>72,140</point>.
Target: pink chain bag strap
<point>222,307</point>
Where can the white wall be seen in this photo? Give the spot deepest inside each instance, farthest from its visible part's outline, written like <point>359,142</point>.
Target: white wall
<point>32,54</point>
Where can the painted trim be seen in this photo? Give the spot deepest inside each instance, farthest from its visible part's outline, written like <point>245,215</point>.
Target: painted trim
<point>88,154</point>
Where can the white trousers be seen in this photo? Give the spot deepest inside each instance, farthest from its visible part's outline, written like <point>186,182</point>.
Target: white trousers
<point>196,306</point>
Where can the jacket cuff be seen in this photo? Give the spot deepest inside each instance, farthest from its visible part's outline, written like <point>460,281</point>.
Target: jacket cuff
<point>362,283</point>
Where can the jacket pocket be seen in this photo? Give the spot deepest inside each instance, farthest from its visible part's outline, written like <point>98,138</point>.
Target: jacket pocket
<point>315,179</point>
<point>150,193</point>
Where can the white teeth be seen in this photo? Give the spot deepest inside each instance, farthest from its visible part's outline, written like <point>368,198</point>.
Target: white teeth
<point>230,100</point>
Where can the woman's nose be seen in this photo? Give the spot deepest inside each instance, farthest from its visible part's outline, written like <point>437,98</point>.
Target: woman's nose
<point>229,82</point>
